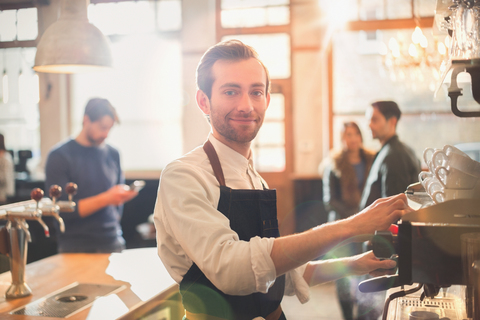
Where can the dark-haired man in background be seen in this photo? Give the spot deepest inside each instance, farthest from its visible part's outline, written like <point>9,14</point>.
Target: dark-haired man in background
<point>394,168</point>
<point>95,167</point>
<point>395,165</point>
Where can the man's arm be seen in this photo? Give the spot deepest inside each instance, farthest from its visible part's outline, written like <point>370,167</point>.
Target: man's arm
<point>114,196</point>
<point>322,271</point>
<point>290,252</point>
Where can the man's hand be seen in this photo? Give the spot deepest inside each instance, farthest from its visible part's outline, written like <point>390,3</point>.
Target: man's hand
<point>120,194</point>
<point>114,196</point>
<point>379,215</point>
<point>367,263</point>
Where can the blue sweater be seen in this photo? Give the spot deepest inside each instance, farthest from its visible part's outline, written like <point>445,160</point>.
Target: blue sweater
<point>94,170</point>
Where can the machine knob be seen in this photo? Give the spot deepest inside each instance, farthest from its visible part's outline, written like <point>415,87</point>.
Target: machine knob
<point>384,244</point>
<point>71,189</point>
<point>36,194</point>
<point>55,192</point>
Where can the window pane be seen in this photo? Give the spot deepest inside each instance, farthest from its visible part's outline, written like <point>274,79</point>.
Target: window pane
<point>277,16</point>
<point>372,10</point>
<point>399,9</point>
<point>272,133</point>
<point>123,17</point>
<point>270,159</point>
<point>244,18</point>
<point>8,30</point>
<point>235,4</point>
<point>238,14</point>
<point>276,109</point>
<point>169,15</point>
<point>274,51</point>
<point>19,116</point>
<point>27,24</point>
<point>424,8</point>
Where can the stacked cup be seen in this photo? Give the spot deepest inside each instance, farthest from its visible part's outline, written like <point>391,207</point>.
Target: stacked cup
<point>452,174</point>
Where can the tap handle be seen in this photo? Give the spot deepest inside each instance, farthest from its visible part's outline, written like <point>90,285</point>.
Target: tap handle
<point>55,192</point>
<point>71,189</point>
<point>37,195</point>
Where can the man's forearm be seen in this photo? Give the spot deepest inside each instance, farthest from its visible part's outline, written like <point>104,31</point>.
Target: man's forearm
<point>88,206</point>
<point>292,251</point>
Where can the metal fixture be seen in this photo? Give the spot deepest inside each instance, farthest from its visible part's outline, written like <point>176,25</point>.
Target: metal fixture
<point>16,215</point>
<point>72,44</point>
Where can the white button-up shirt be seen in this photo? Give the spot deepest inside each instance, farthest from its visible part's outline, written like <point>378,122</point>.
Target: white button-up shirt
<point>190,229</point>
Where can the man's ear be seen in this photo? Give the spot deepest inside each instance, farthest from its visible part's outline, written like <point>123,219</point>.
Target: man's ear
<point>203,102</point>
<point>393,121</point>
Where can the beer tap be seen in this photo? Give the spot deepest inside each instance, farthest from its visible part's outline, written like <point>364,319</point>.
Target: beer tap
<point>53,209</point>
<point>68,206</point>
<point>18,233</point>
<point>19,236</point>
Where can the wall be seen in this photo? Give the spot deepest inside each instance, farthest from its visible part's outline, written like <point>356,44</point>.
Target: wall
<point>310,109</point>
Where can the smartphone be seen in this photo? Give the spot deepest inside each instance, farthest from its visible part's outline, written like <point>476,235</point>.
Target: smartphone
<point>137,185</point>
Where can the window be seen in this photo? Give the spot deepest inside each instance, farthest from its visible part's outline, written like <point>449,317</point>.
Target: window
<point>258,13</point>
<point>18,24</point>
<point>19,89</point>
<point>269,145</point>
<point>264,26</point>
<point>144,86</point>
<point>19,96</point>
<point>426,117</point>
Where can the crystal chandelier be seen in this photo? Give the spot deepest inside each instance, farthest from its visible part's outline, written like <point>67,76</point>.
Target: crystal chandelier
<point>411,60</point>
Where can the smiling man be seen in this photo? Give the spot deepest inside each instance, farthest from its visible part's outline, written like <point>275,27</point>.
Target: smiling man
<point>216,220</point>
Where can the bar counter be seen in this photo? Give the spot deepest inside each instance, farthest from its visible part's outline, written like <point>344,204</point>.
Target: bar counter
<point>147,285</point>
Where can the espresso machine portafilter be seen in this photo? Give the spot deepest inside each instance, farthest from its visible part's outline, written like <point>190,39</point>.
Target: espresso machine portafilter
<point>16,233</point>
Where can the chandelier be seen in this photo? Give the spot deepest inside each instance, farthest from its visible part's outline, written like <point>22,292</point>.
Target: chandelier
<point>414,60</point>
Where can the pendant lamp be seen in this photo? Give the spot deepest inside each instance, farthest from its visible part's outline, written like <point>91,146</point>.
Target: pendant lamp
<point>72,44</point>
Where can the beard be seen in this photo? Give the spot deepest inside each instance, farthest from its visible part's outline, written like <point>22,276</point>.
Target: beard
<point>240,134</point>
<point>95,142</point>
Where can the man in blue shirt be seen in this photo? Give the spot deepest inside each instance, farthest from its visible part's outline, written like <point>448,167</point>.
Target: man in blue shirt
<point>95,167</point>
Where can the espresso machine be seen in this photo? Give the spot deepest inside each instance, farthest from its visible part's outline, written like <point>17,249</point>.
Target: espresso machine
<point>15,235</point>
<point>432,280</point>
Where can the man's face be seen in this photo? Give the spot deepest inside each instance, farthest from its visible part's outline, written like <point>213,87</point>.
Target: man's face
<point>97,131</point>
<point>239,100</point>
<point>379,126</point>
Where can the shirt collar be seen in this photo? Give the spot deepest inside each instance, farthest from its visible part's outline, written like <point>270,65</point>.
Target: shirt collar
<point>230,157</point>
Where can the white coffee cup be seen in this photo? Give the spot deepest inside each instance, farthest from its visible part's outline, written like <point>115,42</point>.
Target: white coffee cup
<point>453,178</point>
<point>452,157</point>
<point>427,157</point>
<point>451,194</point>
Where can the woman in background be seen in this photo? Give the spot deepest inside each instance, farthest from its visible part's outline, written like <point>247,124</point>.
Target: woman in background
<point>7,177</point>
<point>343,181</point>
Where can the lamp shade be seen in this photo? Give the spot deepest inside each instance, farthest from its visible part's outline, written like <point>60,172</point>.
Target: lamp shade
<point>72,44</point>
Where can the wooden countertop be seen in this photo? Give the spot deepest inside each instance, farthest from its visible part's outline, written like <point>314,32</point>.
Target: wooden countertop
<point>140,270</point>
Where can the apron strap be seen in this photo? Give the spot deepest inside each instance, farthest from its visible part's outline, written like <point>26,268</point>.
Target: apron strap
<point>215,162</point>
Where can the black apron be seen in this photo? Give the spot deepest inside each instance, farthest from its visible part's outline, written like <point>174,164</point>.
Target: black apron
<point>251,213</point>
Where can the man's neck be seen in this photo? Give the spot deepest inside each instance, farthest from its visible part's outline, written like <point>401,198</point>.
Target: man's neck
<point>387,138</point>
<point>82,140</point>
<point>242,148</point>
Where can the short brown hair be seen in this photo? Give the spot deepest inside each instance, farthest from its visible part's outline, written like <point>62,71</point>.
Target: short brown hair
<point>233,50</point>
<point>97,108</point>
<point>388,109</point>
